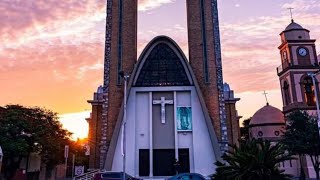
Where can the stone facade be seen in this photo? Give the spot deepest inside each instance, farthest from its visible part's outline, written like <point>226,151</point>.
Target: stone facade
<point>120,55</point>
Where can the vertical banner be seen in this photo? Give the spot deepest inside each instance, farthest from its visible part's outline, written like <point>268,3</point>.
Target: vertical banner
<point>184,119</point>
<point>66,151</point>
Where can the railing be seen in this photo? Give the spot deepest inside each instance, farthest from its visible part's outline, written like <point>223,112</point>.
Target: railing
<point>282,67</point>
<point>88,175</point>
<point>285,66</point>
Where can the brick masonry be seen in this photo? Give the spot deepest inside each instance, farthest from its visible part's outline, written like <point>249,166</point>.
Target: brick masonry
<point>206,44</point>
<point>120,46</point>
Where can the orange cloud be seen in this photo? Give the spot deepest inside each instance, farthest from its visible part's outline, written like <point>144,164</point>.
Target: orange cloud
<point>60,77</point>
<point>51,52</point>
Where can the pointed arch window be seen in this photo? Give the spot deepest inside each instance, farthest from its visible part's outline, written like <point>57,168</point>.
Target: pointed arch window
<point>162,68</point>
<point>287,98</point>
<point>309,91</point>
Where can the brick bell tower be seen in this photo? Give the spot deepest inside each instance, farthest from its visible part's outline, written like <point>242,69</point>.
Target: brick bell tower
<point>121,54</point>
<point>298,58</point>
<point>205,60</point>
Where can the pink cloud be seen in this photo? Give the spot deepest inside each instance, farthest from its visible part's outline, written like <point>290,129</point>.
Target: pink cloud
<point>250,53</point>
<point>146,5</point>
<point>23,21</point>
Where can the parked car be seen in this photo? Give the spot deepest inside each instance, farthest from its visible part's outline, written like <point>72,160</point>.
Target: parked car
<point>112,176</point>
<point>188,176</point>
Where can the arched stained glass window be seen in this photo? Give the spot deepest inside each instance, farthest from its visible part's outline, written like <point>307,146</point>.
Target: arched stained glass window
<point>162,68</point>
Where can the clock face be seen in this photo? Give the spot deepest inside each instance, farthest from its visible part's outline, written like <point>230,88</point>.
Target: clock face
<point>302,51</point>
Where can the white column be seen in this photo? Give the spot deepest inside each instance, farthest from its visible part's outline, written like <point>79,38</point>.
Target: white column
<point>176,142</point>
<point>150,136</point>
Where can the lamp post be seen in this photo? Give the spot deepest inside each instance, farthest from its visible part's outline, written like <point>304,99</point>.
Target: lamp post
<point>125,78</point>
<point>313,75</point>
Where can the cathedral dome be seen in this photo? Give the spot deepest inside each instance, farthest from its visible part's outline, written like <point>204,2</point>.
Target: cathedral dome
<point>294,26</point>
<point>267,115</point>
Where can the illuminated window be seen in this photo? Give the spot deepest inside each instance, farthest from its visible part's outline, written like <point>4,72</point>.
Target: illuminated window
<point>309,91</point>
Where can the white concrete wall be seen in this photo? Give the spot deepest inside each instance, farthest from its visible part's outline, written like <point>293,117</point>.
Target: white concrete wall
<point>204,157</point>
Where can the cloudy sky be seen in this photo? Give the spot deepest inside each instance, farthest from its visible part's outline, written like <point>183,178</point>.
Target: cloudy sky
<point>51,52</point>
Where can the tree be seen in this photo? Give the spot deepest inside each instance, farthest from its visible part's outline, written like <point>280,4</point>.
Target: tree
<point>253,160</point>
<point>302,137</point>
<point>25,130</point>
<point>78,148</point>
<point>244,130</point>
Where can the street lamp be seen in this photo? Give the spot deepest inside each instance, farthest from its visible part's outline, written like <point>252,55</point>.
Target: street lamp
<point>313,76</point>
<point>125,78</point>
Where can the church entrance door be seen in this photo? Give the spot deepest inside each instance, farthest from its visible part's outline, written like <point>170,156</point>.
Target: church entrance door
<point>164,162</point>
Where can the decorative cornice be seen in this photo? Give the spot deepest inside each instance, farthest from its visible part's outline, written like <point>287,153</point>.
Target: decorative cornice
<point>267,124</point>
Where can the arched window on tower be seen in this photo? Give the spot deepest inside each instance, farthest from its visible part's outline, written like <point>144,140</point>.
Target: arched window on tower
<point>287,98</point>
<point>309,91</point>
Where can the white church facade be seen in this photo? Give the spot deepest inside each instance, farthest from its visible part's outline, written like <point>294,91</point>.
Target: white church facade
<point>175,111</point>
<point>165,123</point>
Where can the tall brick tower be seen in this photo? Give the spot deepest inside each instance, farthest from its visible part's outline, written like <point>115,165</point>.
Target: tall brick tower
<point>205,60</point>
<point>120,55</point>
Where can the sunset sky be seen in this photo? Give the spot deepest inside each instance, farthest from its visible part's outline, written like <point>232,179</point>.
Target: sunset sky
<point>51,52</point>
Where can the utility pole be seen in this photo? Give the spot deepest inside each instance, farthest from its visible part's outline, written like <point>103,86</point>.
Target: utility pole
<point>66,153</point>
<point>73,159</point>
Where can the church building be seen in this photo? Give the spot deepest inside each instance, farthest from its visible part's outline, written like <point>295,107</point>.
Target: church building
<point>162,108</point>
<point>299,62</point>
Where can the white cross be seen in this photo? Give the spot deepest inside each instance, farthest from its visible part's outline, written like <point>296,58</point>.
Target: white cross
<point>163,103</point>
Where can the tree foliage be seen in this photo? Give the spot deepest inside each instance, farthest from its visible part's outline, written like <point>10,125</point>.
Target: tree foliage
<point>252,160</point>
<point>244,130</point>
<point>25,130</point>
<point>302,137</point>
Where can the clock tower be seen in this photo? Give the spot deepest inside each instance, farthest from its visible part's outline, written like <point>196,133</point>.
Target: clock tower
<point>298,58</point>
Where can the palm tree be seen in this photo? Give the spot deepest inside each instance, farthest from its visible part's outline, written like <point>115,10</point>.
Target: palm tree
<point>253,160</point>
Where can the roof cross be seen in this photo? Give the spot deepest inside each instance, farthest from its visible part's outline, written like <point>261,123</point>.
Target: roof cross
<point>265,95</point>
<point>290,9</point>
